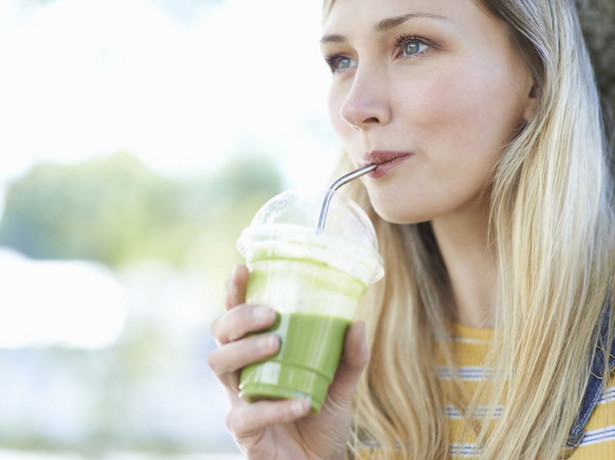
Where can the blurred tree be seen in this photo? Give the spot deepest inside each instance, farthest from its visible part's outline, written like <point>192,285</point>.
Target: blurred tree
<point>116,210</point>
<point>598,22</point>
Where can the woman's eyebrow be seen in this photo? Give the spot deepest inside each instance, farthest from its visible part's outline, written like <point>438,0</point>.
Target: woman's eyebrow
<point>333,38</point>
<point>391,23</point>
<point>384,25</point>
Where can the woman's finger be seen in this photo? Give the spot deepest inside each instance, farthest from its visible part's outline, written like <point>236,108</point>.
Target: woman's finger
<point>248,420</point>
<point>233,356</point>
<point>240,321</point>
<point>236,287</point>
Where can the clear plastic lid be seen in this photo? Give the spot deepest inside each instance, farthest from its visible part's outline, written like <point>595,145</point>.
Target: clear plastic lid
<point>287,223</point>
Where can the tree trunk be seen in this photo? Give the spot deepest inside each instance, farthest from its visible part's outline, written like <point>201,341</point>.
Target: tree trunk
<point>598,23</point>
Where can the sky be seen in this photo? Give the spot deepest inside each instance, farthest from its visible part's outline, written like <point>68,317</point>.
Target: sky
<point>183,84</point>
<point>182,88</point>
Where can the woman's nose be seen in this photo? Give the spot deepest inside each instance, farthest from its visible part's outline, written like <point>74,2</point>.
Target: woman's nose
<point>366,104</point>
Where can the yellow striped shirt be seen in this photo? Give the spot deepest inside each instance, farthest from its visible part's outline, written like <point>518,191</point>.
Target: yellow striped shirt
<point>471,346</point>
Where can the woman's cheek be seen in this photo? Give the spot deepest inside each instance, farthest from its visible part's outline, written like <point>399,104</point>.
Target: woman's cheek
<point>339,125</point>
<point>434,99</point>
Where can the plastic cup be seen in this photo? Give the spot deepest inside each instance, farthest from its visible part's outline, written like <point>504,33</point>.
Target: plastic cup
<point>314,280</point>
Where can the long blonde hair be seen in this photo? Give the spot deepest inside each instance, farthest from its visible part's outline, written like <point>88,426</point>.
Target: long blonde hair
<point>552,224</point>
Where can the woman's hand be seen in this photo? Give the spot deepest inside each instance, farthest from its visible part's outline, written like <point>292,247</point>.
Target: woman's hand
<point>280,429</point>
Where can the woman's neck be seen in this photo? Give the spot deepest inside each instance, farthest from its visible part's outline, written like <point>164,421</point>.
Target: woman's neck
<point>471,264</point>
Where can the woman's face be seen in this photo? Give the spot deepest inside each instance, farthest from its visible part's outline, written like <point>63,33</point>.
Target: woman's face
<point>430,89</point>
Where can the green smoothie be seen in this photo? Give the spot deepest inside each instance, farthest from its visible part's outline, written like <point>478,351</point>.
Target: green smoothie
<point>315,303</point>
<point>310,348</point>
<point>314,279</point>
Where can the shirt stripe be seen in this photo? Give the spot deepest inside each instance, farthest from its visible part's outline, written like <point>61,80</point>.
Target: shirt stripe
<point>481,412</point>
<point>465,373</point>
<point>608,396</point>
<point>471,341</point>
<point>465,451</point>
<point>601,435</point>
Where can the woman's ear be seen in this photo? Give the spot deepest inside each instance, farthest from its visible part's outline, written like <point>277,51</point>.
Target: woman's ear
<point>530,105</point>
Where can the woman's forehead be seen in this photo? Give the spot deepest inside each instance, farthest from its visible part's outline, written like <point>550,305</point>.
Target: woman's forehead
<point>445,6</point>
<point>371,15</point>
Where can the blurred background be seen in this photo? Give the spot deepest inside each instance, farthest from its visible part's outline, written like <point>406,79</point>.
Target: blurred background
<point>137,139</point>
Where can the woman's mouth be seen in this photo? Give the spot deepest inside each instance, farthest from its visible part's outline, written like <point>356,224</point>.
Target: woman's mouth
<point>386,160</point>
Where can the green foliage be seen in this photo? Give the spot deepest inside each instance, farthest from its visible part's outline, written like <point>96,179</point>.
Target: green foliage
<point>116,210</point>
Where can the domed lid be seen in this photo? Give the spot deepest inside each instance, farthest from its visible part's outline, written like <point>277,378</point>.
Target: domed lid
<point>292,217</point>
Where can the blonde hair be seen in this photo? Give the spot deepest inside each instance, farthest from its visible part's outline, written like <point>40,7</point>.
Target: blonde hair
<point>552,227</point>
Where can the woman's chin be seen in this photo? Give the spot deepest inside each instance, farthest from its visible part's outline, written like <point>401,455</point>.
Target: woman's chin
<point>399,214</point>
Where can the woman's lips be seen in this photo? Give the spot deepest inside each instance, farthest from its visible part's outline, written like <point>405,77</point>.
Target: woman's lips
<point>386,160</point>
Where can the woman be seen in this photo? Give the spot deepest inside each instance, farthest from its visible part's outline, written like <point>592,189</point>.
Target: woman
<point>491,334</point>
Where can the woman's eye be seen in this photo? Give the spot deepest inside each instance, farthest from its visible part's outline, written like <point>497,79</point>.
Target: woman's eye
<point>410,46</point>
<point>340,63</point>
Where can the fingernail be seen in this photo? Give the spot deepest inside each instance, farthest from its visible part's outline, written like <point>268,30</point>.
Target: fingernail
<point>262,314</point>
<point>268,342</point>
<point>231,276</point>
<point>300,406</point>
